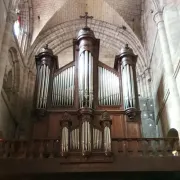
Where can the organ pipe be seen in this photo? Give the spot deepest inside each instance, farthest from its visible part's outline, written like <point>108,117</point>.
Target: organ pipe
<point>85,79</point>
<point>108,92</point>
<point>106,125</point>
<point>63,88</point>
<point>85,41</point>
<point>46,63</point>
<point>127,61</point>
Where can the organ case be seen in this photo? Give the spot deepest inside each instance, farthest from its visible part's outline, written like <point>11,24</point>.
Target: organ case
<point>86,101</point>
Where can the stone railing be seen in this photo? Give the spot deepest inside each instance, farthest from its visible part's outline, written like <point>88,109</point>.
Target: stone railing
<point>51,148</point>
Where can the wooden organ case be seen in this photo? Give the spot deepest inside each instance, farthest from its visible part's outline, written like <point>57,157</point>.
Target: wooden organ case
<point>86,103</point>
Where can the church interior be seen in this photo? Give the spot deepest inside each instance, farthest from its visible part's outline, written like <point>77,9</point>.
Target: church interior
<point>89,86</point>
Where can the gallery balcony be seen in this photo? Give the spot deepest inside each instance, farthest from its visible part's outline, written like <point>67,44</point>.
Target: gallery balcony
<point>128,154</point>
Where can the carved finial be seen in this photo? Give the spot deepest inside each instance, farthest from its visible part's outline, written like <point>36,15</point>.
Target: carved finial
<point>66,120</point>
<point>126,46</point>
<point>86,17</point>
<point>105,119</point>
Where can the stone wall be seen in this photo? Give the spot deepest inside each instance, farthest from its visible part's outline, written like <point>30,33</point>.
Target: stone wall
<point>17,80</point>
<point>3,14</point>
<point>165,114</point>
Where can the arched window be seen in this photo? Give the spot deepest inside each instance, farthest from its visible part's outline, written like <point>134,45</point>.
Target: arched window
<point>17,25</point>
<point>22,26</point>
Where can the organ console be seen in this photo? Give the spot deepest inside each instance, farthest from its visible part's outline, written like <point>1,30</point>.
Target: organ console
<point>86,102</point>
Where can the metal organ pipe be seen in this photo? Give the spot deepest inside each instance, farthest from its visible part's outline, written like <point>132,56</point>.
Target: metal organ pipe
<point>65,134</point>
<point>85,79</point>
<point>86,136</point>
<point>63,88</point>
<point>109,92</point>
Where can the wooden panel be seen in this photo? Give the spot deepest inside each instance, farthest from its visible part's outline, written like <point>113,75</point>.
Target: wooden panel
<point>108,108</point>
<point>40,129</point>
<point>54,125</point>
<point>118,126</point>
<point>133,129</point>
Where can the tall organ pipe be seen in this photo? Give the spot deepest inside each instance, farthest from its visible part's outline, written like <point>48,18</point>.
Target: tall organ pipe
<point>127,60</point>
<point>85,42</point>
<point>85,78</point>
<point>46,63</point>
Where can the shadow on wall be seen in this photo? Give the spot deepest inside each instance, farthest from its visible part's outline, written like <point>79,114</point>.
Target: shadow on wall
<point>172,133</point>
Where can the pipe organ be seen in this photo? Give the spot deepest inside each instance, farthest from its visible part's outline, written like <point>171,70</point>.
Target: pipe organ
<point>87,102</point>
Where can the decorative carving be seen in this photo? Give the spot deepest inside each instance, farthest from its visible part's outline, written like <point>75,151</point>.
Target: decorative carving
<point>106,116</point>
<point>11,17</point>
<point>105,119</point>
<point>66,117</point>
<point>131,113</point>
<point>66,120</point>
<point>86,118</point>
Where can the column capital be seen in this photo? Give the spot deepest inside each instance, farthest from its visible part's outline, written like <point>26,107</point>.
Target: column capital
<point>11,17</point>
<point>158,17</point>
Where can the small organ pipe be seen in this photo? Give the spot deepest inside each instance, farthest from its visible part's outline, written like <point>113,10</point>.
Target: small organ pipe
<point>132,85</point>
<point>109,92</point>
<point>39,88</point>
<point>73,75</point>
<point>71,84</point>
<point>60,88</point>
<point>63,88</point>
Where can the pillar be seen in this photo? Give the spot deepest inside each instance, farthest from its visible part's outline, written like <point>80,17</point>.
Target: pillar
<point>174,121</point>
<point>11,17</point>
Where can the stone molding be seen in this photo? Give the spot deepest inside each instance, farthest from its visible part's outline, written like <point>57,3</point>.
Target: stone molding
<point>158,17</point>
<point>11,17</point>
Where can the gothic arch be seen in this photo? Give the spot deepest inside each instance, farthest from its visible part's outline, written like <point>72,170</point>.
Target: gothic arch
<point>64,22</point>
<point>114,37</point>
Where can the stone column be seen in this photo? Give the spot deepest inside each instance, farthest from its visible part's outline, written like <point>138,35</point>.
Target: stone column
<point>174,109</point>
<point>11,17</point>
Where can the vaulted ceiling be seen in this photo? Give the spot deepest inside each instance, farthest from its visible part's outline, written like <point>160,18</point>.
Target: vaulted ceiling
<point>53,12</point>
<point>57,22</point>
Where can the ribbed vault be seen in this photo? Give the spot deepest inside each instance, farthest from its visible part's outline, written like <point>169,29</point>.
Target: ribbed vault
<point>111,36</point>
<point>54,12</point>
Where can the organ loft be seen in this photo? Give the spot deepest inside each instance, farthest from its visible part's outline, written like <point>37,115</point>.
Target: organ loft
<point>86,103</point>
